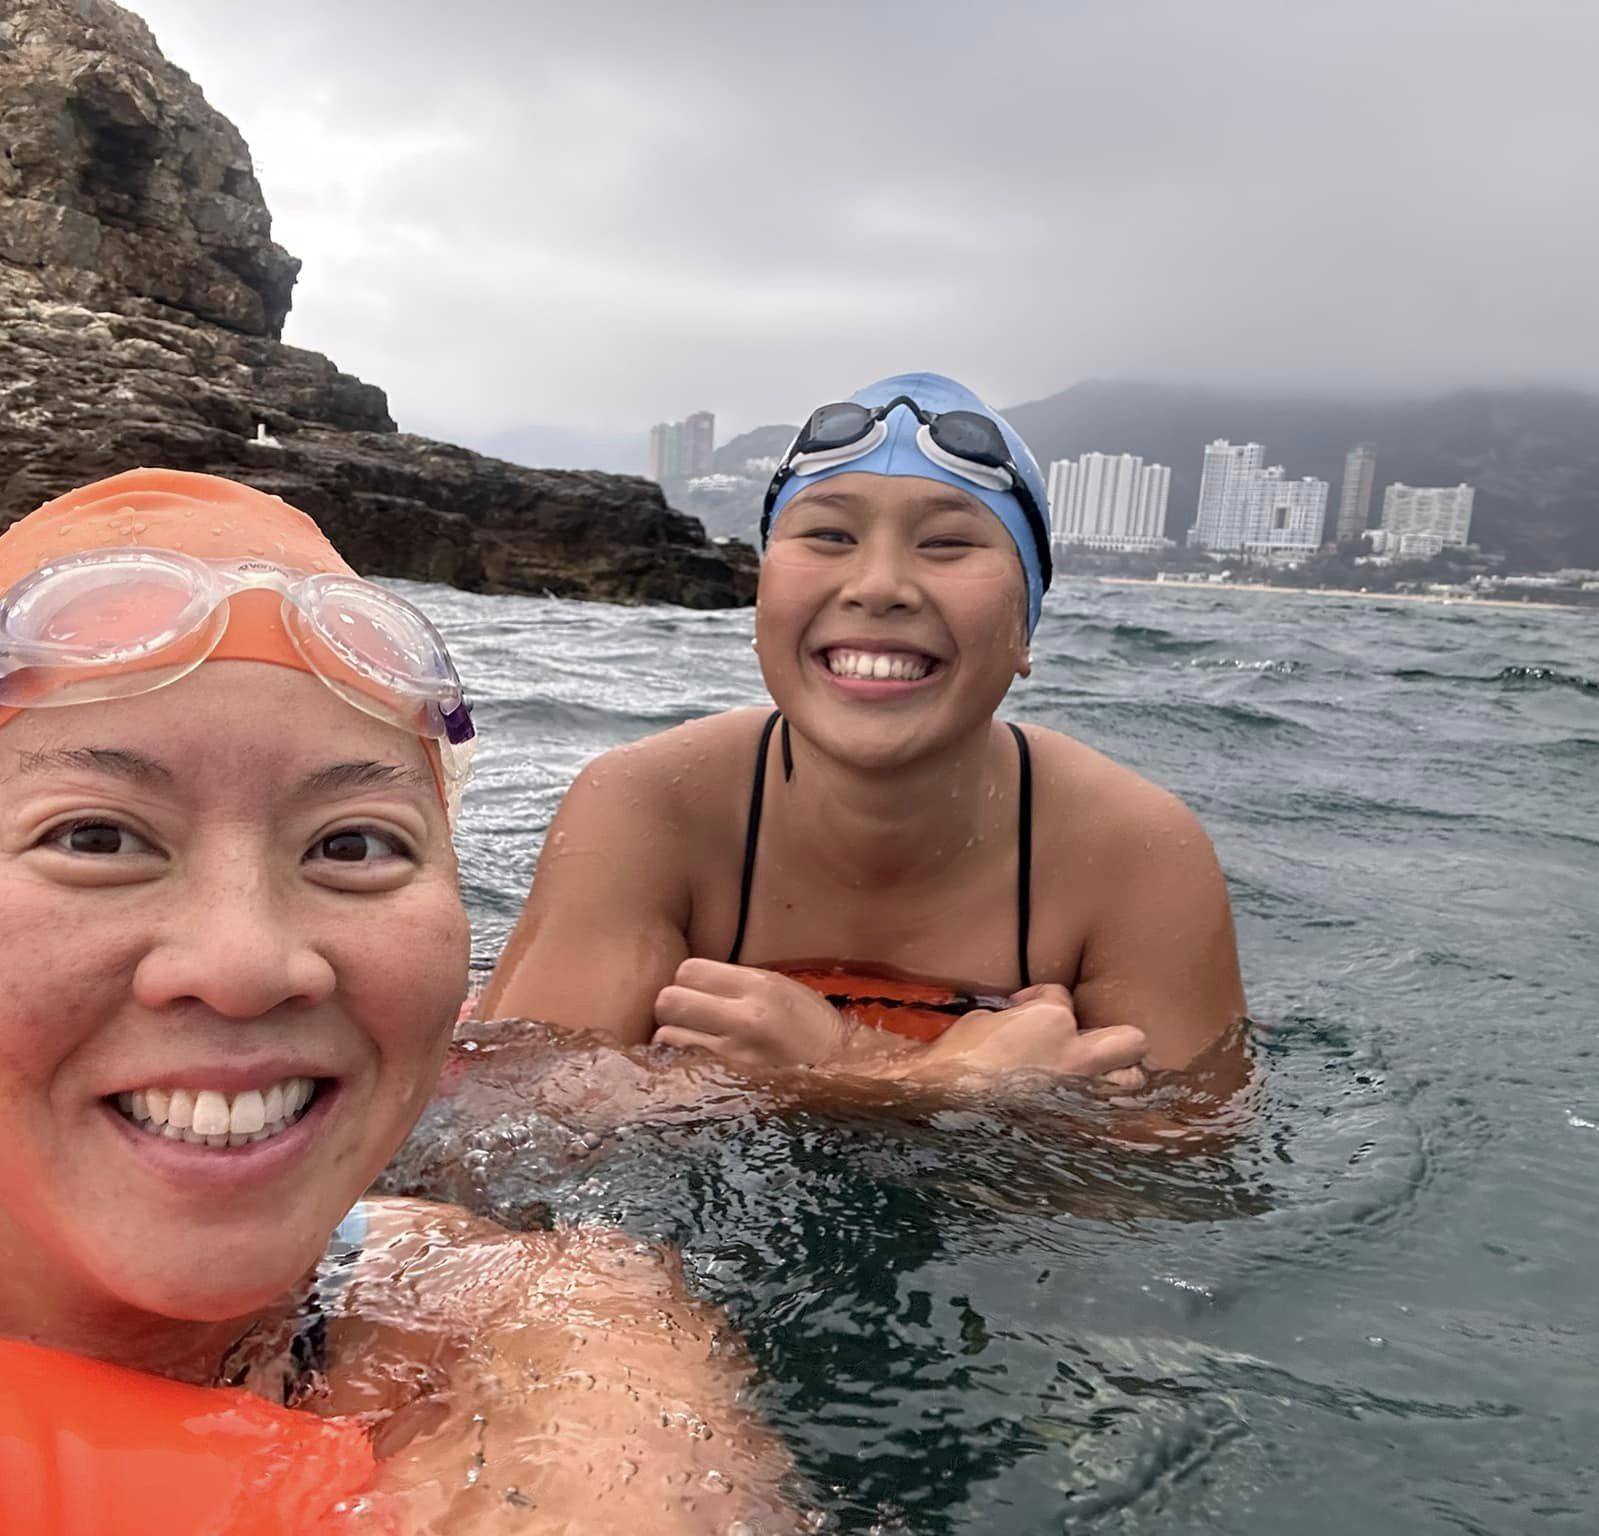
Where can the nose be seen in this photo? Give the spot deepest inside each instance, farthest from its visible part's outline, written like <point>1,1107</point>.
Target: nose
<point>232,944</point>
<point>880,578</point>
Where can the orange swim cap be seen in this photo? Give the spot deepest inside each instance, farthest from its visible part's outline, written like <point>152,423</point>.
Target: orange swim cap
<point>203,516</point>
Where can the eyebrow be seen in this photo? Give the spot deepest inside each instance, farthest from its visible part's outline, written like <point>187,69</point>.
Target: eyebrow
<point>368,774</point>
<point>116,761</point>
<point>933,501</point>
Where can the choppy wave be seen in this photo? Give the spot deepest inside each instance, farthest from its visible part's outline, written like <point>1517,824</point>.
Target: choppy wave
<point>972,1317</point>
<point>1515,676</point>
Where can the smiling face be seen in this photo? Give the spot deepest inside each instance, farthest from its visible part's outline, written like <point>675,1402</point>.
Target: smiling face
<point>891,617</point>
<point>234,949</point>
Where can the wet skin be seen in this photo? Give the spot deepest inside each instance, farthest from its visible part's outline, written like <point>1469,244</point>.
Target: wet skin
<point>195,896</point>
<point>894,843</point>
<point>240,879</point>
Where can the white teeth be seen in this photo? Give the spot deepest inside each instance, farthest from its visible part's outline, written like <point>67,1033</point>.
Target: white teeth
<point>210,1113</point>
<point>205,1117</point>
<point>248,1114</point>
<point>877,665</point>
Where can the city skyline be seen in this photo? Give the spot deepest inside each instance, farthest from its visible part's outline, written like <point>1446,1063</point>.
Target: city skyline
<point>1109,502</point>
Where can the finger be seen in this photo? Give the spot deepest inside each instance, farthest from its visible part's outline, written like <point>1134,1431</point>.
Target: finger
<point>690,1009</point>
<point>1096,1052</point>
<point>716,977</point>
<point>688,1039</point>
<point>1044,992</point>
<point>1125,1080</point>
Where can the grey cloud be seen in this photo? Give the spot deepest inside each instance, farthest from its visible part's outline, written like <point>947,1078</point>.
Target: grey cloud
<point>598,216</point>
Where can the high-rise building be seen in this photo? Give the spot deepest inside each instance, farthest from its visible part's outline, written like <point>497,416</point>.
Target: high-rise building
<point>1283,516</point>
<point>682,450</point>
<point>1109,502</point>
<point>1230,469</point>
<point>1354,499</point>
<point>1442,510</point>
<point>663,452</point>
<point>699,443</point>
<point>1246,507</point>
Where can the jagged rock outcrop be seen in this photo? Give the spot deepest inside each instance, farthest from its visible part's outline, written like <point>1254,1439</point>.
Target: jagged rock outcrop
<point>141,298</point>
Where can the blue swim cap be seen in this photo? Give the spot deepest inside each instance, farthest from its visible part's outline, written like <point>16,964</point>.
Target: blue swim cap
<point>899,454</point>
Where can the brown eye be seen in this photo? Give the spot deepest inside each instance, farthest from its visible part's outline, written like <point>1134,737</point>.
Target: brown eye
<point>357,845</point>
<point>96,837</point>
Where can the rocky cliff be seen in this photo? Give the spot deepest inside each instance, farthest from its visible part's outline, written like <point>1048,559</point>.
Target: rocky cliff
<point>141,301</point>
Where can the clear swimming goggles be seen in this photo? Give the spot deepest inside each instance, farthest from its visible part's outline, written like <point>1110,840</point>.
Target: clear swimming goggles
<point>111,623</point>
<point>966,443</point>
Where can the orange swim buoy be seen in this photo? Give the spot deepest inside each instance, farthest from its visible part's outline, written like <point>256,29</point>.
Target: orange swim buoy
<point>89,1449</point>
<point>918,1010</point>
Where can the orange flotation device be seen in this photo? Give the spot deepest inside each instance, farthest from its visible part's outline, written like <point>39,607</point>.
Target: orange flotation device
<point>89,1449</point>
<point>918,1010</point>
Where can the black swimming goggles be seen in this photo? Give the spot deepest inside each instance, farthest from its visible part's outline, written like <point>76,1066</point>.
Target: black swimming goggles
<point>965,442</point>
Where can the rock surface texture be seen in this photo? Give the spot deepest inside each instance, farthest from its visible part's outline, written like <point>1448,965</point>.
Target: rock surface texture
<point>141,301</point>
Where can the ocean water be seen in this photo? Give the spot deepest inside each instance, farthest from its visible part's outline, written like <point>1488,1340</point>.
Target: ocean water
<point>1375,1312</point>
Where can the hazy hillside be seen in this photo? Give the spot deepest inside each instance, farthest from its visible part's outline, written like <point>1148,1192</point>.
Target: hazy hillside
<point>758,443</point>
<point>1533,454</point>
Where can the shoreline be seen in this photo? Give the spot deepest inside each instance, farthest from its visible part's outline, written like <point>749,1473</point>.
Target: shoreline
<point>1369,597</point>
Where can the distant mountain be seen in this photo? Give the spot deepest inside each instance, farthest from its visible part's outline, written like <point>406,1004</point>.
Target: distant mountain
<point>759,443</point>
<point>1533,454</point>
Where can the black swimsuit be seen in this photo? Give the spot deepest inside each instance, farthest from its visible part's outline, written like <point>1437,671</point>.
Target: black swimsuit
<point>1024,839</point>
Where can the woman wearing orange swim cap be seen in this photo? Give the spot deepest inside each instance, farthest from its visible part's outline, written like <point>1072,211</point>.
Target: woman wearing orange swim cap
<point>234,949</point>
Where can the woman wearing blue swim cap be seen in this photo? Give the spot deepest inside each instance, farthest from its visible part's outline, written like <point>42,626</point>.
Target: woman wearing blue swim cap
<point>878,877</point>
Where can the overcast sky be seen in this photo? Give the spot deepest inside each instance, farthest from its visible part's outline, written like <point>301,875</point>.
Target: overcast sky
<point>594,216</point>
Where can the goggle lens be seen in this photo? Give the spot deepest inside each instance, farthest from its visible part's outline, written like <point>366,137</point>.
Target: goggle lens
<point>836,426</point>
<point>969,436</point>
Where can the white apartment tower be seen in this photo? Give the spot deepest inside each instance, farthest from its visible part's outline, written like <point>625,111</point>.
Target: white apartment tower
<point>1354,500</point>
<point>1283,516</point>
<point>1107,501</point>
<point>1441,510</point>
<point>1230,469</point>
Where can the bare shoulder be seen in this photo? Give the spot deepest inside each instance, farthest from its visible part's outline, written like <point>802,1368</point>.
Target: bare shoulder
<point>683,774</point>
<point>1099,806</point>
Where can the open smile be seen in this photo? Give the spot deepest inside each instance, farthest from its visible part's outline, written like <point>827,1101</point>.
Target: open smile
<point>877,670</point>
<point>250,1135</point>
<point>206,1117</point>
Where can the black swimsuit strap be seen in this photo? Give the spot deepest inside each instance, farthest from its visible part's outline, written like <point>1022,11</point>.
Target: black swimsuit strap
<point>1024,854</point>
<point>1024,841</point>
<point>752,833</point>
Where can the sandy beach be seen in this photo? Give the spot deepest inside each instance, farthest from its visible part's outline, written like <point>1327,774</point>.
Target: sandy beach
<point>1371,597</point>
